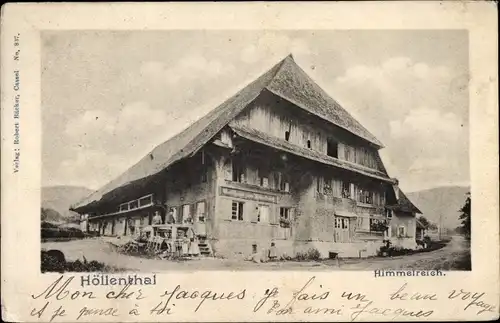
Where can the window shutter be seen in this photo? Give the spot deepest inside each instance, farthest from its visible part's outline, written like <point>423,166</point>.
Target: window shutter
<point>320,185</point>
<point>255,214</point>
<point>341,150</point>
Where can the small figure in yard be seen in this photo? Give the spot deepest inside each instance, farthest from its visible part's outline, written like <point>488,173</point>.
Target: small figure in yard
<point>157,218</point>
<point>185,245</point>
<point>272,252</point>
<point>171,218</point>
<point>156,221</point>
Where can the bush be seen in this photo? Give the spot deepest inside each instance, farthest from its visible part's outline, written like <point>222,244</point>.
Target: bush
<point>55,261</point>
<point>56,232</point>
<point>311,254</point>
<point>388,250</point>
<point>427,239</point>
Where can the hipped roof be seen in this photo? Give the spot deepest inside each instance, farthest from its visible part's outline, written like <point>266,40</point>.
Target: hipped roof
<point>286,80</point>
<point>403,203</point>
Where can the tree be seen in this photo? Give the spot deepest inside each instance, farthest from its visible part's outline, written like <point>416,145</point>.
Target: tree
<point>465,216</point>
<point>432,226</point>
<point>424,221</point>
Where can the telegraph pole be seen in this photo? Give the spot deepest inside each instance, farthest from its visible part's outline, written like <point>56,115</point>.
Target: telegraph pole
<point>440,226</point>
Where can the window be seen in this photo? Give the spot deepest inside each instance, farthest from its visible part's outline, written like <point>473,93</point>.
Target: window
<point>388,213</point>
<point>287,135</point>
<point>133,205</point>
<point>319,184</point>
<point>186,213</point>
<point>309,144</point>
<point>332,148</point>
<point>336,187</point>
<point>263,178</point>
<point>348,155</point>
<point>345,223</point>
<point>123,207</point>
<point>204,173</point>
<point>369,197</point>
<point>327,186</point>
<point>284,213</point>
<point>146,200</point>
<point>346,193</point>
<point>238,171</point>
<point>365,196</point>
<point>281,182</point>
<point>263,214</point>
<point>378,225</point>
<point>237,211</point>
<point>401,231</point>
<point>200,211</point>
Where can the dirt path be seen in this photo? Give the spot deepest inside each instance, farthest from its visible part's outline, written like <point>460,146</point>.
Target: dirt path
<point>444,258</point>
<point>96,249</point>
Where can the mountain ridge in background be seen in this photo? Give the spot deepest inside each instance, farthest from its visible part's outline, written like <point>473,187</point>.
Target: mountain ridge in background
<point>56,201</point>
<point>445,201</point>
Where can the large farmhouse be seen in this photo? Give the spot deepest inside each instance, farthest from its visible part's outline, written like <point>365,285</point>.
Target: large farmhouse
<point>280,161</point>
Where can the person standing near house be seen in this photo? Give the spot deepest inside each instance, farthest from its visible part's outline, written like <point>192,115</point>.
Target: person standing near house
<point>171,216</point>
<point>272,252</point>
<point>131,226</point>
<point>193,244</point>
<point>156,221</point>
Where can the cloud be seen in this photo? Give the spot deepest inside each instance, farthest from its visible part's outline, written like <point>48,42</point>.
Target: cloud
<point>399,85</point>
<point>420,113</point>
<point>132,118</point>
<point>113,141</point>
<point>185,69</point>
<point>102,166</point>
<point>427,123</point>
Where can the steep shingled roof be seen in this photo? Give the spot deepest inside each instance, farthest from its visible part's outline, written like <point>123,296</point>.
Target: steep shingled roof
<point>404,204</point>
<point>286,79</point>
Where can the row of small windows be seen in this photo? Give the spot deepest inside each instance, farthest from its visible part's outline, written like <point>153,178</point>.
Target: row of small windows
<point>263,213</point>
<point>280,180</point>
<point>135,204</point>
<point>359,155</point>
<point>345,189</point>
<point>331,145</point>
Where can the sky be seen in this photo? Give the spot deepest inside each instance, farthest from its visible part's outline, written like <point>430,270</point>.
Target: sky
<point>109,97</point>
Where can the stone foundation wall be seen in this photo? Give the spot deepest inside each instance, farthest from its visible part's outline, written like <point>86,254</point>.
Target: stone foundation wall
<point>243,248</point>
